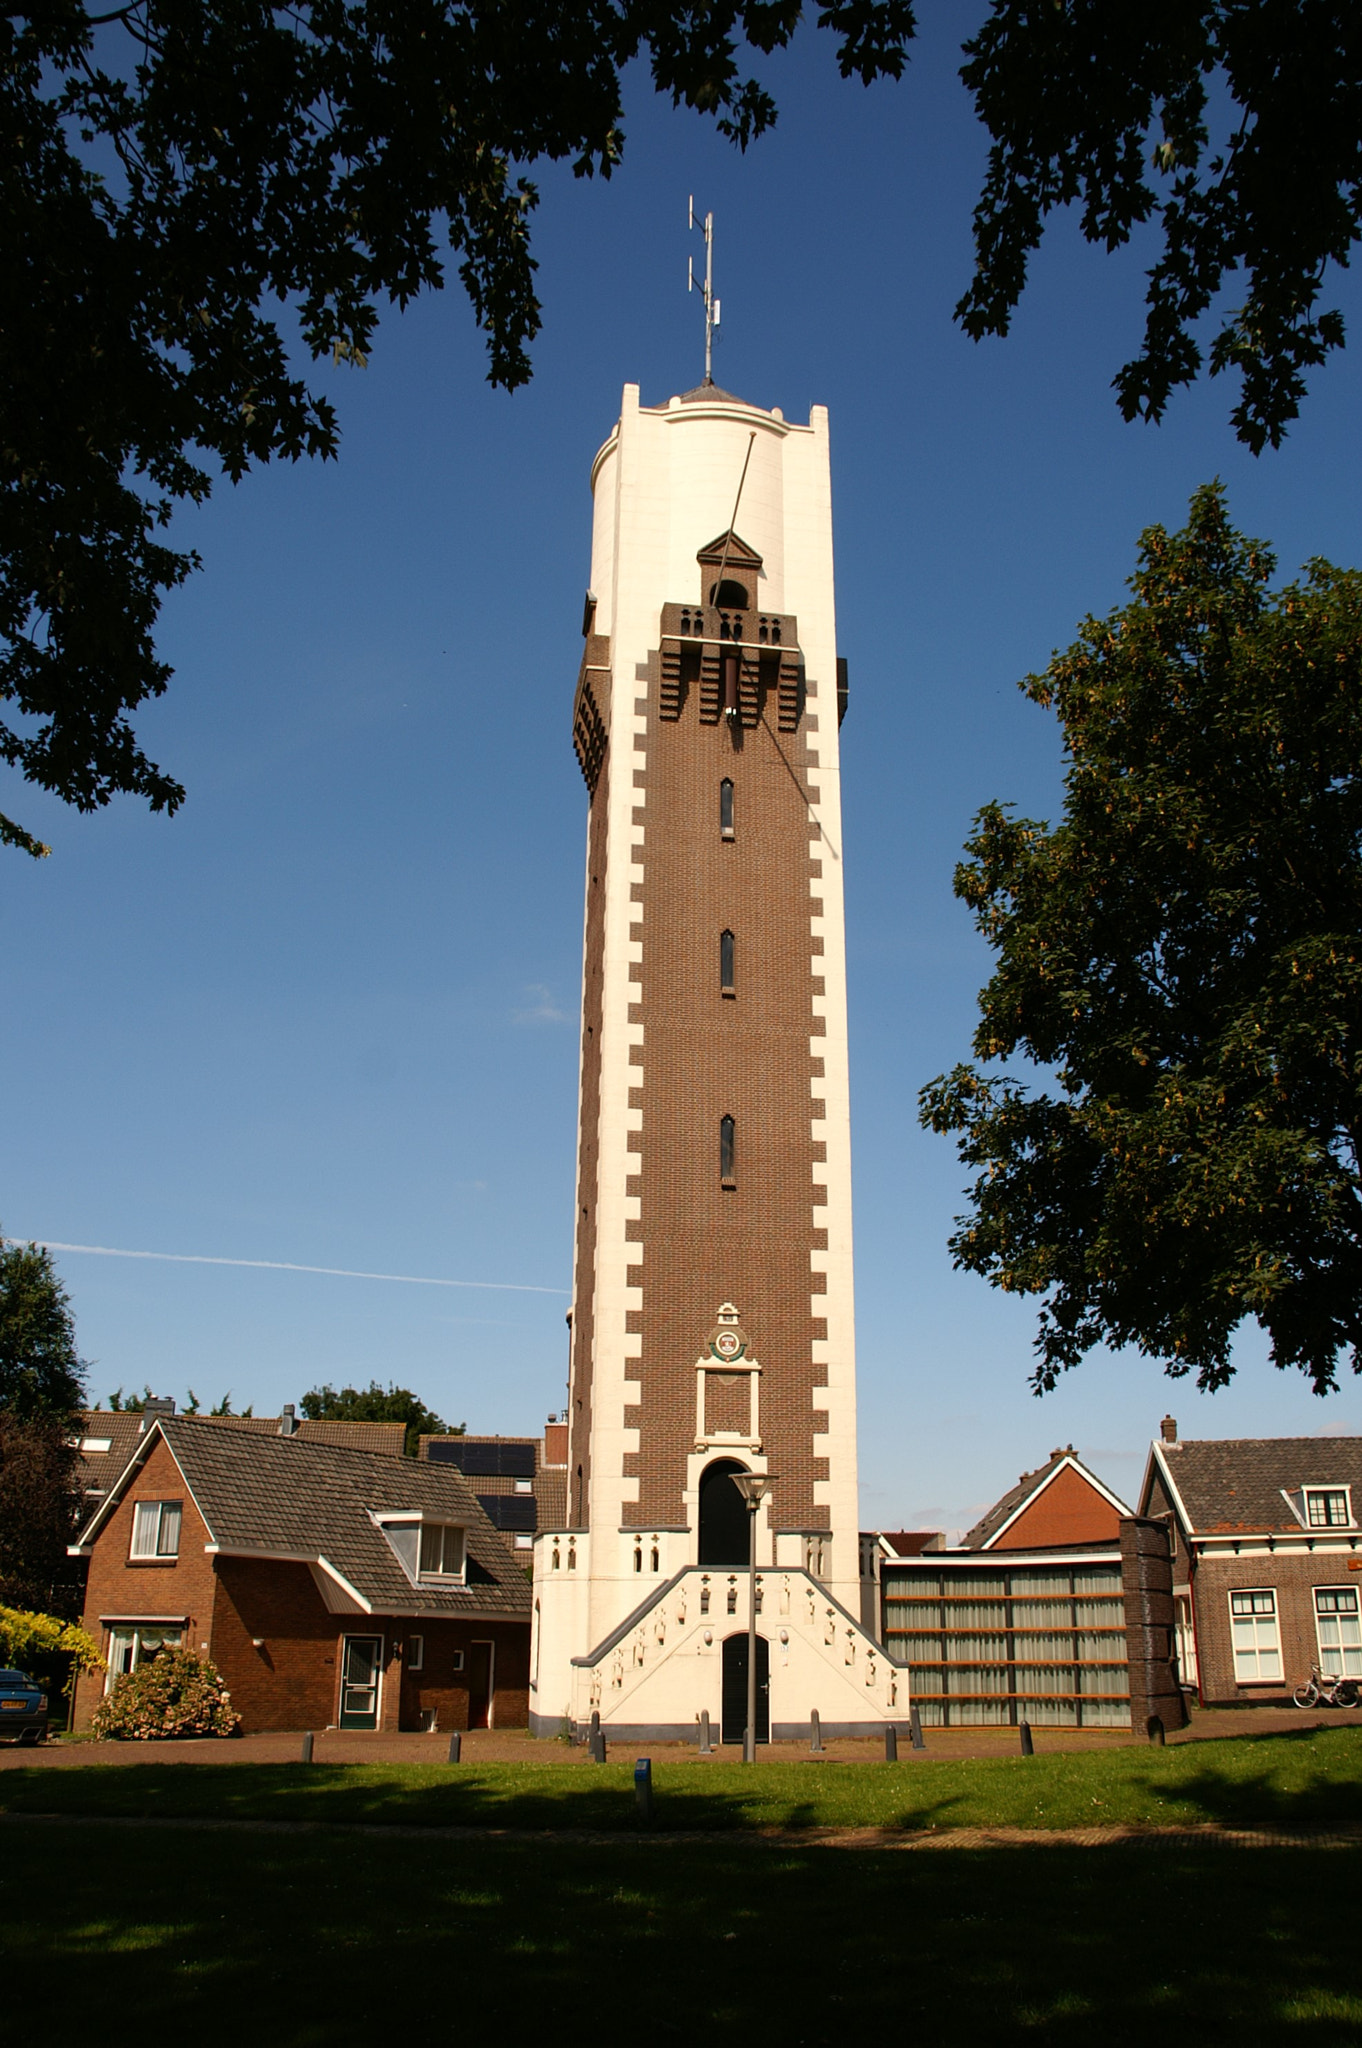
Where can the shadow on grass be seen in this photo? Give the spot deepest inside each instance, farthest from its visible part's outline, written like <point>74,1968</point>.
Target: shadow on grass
<point>1282,1782</point>
<point>213,1937</point>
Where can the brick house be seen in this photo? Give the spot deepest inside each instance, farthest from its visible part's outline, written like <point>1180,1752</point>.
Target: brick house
<point>1266,1536</point>
<point>331,1587</point>
<point>1056,1609</point>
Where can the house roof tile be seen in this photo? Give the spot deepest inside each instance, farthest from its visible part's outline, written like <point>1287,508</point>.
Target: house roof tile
<point>1237,1483</point>
<point>297,1497</point>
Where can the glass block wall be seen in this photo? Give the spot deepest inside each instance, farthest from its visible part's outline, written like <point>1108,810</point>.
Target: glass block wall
<point>994,1647</point>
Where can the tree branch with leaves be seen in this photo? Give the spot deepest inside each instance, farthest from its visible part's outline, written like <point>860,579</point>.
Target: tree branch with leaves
<point>1182,953</point>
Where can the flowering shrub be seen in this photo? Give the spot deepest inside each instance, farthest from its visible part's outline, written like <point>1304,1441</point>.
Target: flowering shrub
<point>169,1694</point>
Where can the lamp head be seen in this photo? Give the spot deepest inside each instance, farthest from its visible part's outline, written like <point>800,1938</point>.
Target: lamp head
<point>753,1486</point>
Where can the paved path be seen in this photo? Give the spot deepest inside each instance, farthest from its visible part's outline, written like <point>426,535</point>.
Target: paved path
<point>513,1746</point>
<point>1116,1837</point>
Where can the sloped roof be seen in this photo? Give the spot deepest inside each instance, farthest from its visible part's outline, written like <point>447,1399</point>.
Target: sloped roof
<point>276,1496</point>
<point>551,1492</point>
<point>1019,1498</point>
<point>732,547</point>
<point>709,392</point>
<point>122,1432</point>
<point>1236,1483</point>
<point>385,1437</point>
<point>125,1428</point>
<point>911,1542</point>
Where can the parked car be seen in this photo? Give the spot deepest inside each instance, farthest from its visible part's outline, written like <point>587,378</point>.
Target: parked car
<point>23,1708</point>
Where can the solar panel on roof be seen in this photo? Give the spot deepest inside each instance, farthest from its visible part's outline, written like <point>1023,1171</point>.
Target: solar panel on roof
<point>503,1461</point>
<point>510,1510</point>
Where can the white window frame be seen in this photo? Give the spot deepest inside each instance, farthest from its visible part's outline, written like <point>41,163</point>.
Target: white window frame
<point>171,1636</point>
<point>1263,1625</point>
<point>1309,1493</point>
<point>443,1572</point>
<point>160,1551</point>
<point>416,1653</point>
<point>1343,1657</point>
<point>1184,1637</point>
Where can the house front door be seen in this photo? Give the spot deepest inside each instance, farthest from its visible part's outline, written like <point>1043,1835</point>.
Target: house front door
<point>480,1679</point>
<point>735,1689</point>
<point>361,1665</point>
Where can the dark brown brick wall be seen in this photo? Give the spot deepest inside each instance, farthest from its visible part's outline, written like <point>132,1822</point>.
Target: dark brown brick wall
<point>292,1681</point>
<point>588,1157</point>
<point>439,1689</point>
<point>707,1055</point>
<point>1294,1576</point>
<point>118,1584</point>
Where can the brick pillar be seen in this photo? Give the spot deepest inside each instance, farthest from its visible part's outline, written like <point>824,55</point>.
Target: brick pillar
<point>1147,1582</point>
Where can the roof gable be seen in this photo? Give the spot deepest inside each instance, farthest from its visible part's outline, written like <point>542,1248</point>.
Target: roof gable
<point>1059,1504</point>
<point>1243,1485</point>
<point>733,548</point>
<point>287,1497</point>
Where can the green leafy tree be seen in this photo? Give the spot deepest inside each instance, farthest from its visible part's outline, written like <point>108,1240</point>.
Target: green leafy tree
<point>376,1403</point>
<point>41,1372</point>
<point>172,168</point>
<point>41,1390</point>
<point>1183,954</point>
<point>41,1510</point>
<point>172,171</point>
<point>1234,126</point>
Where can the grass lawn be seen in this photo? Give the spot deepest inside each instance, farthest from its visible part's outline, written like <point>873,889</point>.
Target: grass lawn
<point>302,1941</point>
<point>1312,1780</point>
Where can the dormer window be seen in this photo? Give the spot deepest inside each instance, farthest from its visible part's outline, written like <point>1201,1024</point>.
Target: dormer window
<point>442,1551</point>
<point>1327,1507</point>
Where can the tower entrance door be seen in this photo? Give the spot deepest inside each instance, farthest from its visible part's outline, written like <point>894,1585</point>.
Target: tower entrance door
<point>735,1689</point>
<point>723,1515</point>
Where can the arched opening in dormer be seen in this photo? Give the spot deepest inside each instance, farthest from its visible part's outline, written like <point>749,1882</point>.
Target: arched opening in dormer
<point>729,596</point>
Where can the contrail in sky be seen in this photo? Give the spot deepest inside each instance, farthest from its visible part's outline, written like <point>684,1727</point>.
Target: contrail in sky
<point>106,1251</point>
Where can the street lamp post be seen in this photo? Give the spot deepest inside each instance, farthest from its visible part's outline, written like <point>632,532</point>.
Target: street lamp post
<point>754,1487</point>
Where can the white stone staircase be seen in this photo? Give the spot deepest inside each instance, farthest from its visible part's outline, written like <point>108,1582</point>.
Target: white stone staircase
<point>656,1672</point>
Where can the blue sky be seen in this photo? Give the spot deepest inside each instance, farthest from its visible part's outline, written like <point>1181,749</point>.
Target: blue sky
<point>328,1015</point>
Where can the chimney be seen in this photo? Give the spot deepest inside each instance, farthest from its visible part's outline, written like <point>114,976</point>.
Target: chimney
<point>1168,1430</point>
<point>153,1408</point>
<point>555,1442</point>
<point>288,1421</point>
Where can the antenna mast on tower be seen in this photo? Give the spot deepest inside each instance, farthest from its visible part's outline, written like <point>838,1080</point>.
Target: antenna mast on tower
<point>706,290</point>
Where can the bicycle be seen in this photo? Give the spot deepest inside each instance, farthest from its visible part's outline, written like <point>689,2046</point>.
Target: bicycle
<point>1326,1689</point>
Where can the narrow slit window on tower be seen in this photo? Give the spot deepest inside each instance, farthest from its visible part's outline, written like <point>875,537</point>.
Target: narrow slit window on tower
<point>728,1173</point>
<point>727,985</point>
<point>726,809</point>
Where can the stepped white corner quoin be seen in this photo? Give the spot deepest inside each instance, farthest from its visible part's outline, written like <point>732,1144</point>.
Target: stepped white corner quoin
<point>713,1321</point>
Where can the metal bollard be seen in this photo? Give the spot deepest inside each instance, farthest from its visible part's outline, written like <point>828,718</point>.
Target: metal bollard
<point>455,1747</point>
<point>643,1790</point>
<point>1028,1747</point>
<point>307,1749</point>
<point>596,1744</point>
<point>915,1729</point>
<point>1154,1729</point>
<point>891,1744</point>
<point>815,1734</point>
<point>706,1746</point>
